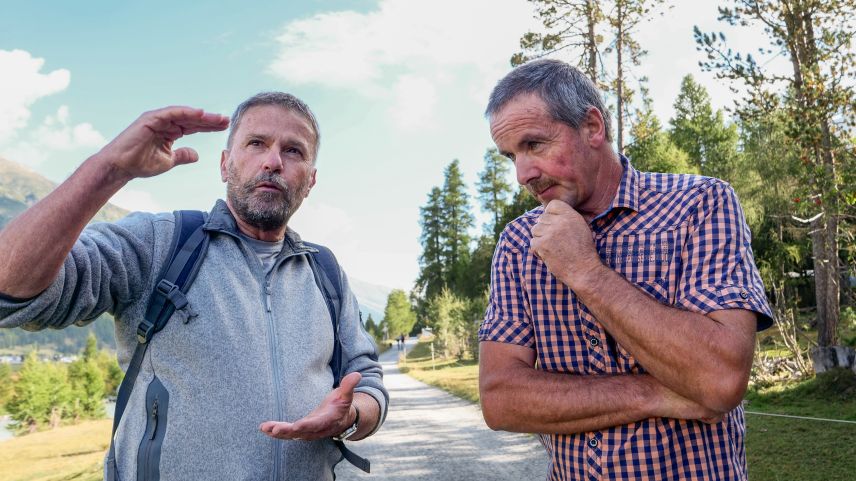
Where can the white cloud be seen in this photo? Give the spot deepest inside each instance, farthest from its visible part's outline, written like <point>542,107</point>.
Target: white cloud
<point>414,49</point>
<point>321,222</point>
<point>135,200</point>
<point>55,134</point>
<point>413,104</point>
<point>21,84</point>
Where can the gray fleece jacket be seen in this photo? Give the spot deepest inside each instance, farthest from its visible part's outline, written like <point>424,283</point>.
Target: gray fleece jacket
<point>220,373</point>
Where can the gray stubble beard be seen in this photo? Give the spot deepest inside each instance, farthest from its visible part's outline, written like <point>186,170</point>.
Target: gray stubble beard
<point>264,210</point>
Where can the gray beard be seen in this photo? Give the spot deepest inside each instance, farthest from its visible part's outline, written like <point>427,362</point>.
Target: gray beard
<point>263,210</point>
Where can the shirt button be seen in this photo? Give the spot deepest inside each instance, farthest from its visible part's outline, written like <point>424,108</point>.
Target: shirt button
<point>594,342</point>
<point>744,294</point>
<point>593,442</point>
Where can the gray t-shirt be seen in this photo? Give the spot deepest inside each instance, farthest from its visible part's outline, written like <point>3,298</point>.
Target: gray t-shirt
<point>266,251</point>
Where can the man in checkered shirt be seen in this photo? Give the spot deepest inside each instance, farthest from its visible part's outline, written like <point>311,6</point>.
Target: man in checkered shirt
<point>623,312</point>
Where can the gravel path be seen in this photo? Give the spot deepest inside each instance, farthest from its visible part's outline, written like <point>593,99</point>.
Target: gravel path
<point>433,436</point>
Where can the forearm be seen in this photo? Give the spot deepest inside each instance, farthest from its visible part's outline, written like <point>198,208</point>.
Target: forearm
<point>517,397</point>
<point>693,354</point>
<point>35,244</point>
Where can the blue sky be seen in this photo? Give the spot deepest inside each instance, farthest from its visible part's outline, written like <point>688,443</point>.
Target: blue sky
<point>398,86</point>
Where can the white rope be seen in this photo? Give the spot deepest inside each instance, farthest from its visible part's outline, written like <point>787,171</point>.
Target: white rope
<point>801,417</point>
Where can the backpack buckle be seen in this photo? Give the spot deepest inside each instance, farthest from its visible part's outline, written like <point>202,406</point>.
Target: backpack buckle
<point>172,293</point>
<point>145,330</point>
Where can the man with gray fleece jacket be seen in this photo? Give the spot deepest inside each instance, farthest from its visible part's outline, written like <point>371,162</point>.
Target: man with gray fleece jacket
<point>241,375</point>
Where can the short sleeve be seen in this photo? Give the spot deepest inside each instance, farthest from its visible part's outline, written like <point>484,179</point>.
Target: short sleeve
<point>719,267</point>
<point>506,319</point>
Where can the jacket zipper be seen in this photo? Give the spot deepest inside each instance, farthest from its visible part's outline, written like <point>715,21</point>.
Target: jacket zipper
<point>154,417</point>
<point>275,371</point>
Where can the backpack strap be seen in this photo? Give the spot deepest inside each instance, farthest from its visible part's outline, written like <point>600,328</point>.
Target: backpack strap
<point>325,269</point>
<point>189,243</point>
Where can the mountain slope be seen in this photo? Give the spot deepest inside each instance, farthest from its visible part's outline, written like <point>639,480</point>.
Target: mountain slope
<point>21,188</point>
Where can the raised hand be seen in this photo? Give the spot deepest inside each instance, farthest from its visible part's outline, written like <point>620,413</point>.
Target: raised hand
<point>330,418</point>
<point>144,149</point>
<point>562,239</point>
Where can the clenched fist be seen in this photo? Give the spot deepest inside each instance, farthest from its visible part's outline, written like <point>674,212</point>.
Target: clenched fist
<point>562,239</point>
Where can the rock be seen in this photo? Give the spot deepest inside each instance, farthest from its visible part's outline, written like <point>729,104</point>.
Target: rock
<point>826,358</point>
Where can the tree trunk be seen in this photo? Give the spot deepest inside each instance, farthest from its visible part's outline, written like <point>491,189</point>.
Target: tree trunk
<point>825,247</point>
<point>619,88</point>
<point>591,45</point>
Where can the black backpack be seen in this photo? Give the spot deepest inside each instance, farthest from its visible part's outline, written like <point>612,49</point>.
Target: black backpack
<point>189,244</point>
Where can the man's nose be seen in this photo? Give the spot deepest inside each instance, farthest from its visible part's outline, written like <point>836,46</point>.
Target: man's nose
<point>272,161</point>
<point>525,169</point>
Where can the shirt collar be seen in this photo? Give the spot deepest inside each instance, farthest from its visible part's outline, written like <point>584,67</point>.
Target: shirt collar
<point>628,189</point>
<point>221,219</point>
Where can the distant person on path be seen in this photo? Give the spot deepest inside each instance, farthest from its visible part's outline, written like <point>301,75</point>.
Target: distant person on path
<point>622,314</point>
<point>239,384</point>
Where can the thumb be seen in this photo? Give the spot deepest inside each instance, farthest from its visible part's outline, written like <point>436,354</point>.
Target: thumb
<point>348,384</point>
<point>184,155</point>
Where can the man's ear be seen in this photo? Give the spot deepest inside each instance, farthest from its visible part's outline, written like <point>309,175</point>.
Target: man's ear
<point>224,167</point>
<point>594,128</point>
<point>311,182</point>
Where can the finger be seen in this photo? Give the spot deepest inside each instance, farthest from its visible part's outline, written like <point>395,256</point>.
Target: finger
<point>348,384</point>
<point>184,155</point>
<point>275,429</point>
<point>188,119</point>
<point>557,206</point>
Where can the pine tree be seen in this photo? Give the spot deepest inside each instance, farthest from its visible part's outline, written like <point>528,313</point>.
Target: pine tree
<point>457,221</point>
<point>87,384</point>
<point>652,149</point>
<point>371,327</point>
<point>703,133</point>
<point>432,272</point>
<point>576,26</point>
<point>494,188</point>
<point>624,17</point>
<point>571,25</point>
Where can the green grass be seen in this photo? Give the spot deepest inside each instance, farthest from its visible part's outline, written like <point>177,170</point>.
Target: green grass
<point>777,449</point>
<point>460,378</point>
<point>72,453</point>
<point>799,449</point>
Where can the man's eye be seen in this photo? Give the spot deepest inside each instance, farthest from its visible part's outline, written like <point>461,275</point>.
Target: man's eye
<point>533,144</point>
<point>255,142</point>
<point>293,151</point>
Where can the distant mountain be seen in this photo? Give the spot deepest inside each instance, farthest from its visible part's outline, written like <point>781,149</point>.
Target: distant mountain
<point>371,297</point>
<point>21,188</point>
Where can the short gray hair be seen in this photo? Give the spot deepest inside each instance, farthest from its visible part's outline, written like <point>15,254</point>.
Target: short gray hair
<point>568,93</point>
<point>281,99</point>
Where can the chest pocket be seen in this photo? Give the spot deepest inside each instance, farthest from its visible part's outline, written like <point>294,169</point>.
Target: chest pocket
<point>647,259</point>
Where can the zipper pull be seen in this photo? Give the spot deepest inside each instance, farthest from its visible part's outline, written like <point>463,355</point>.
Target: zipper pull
<point>154,419</point>
<point>267,296</point>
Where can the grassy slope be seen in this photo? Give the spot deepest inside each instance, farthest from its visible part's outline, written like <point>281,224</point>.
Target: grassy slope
<point>777,449</point>
<point>73,453</point>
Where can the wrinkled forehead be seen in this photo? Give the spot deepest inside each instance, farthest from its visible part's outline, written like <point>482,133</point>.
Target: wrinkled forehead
<point>523,109</point>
